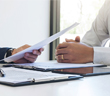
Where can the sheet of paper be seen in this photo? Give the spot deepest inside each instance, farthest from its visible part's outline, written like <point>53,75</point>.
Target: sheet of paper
<point>56,65</point>
<point>16,75</point>
<point>38,45</point>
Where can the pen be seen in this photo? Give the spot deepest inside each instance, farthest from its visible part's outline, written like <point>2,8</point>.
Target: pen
<point>2,73</point>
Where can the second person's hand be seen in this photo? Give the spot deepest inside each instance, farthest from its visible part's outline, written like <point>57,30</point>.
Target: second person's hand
<point>29,57</point>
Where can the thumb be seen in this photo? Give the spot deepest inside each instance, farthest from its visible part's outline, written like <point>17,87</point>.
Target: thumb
<point>77,39</point>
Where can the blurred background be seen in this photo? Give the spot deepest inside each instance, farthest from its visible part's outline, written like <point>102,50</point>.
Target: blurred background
<point>82,11</point>
<point>31,21</point>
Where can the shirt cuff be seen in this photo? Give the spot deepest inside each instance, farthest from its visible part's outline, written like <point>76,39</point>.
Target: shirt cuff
<point>101,55</point>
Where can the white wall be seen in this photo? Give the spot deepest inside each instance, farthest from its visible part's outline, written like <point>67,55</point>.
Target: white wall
<point>24,22</point>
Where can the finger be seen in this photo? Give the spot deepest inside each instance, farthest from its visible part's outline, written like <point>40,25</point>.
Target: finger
<point>30,55</point>
<point>22,60</point>
<point>61,51</point>
<point>41,49</point>
<point>31,60</point>
<point>77,39</point>
<point>70,40</point>
<point>36,52</point>
<point>65,57</point>
<point>62,45</point>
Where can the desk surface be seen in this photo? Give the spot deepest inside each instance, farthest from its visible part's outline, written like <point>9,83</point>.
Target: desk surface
<point>88,86</point>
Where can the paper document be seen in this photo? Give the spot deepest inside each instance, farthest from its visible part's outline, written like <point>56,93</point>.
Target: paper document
<point>38,45</point>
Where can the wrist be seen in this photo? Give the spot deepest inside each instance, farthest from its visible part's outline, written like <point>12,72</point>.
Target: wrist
<point>9,52</point>
<point>91,54</point>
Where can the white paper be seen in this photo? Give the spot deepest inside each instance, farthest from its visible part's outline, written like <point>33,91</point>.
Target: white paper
<point>16,75</point>
<point>56,65</point>
<point>38,45</point>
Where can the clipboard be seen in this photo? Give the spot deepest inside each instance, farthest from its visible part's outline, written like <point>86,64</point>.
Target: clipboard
<point>49,67</point>
<point>20,77</point>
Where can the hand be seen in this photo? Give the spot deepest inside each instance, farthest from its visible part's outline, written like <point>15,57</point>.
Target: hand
<point>77,39</point>
<point>74,53</point>
<point>29,57</point>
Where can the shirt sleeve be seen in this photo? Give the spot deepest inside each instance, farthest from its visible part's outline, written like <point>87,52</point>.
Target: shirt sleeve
<point>98,34</point>
<point>2,53</point>
<point>102,55</point>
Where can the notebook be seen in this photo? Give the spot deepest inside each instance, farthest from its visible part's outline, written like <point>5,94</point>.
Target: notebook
<point>17,77</point>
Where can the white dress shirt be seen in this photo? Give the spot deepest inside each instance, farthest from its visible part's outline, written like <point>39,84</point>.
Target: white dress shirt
<point>99,34</point>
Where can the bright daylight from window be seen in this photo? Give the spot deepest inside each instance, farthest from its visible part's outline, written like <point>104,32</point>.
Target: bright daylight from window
<point>82,11</point>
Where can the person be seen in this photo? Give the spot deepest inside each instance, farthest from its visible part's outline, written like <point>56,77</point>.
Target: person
<point>29,57</point>
<point>91,48</point>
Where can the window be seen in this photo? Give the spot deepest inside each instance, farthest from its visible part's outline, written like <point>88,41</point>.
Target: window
<point>82,11</point>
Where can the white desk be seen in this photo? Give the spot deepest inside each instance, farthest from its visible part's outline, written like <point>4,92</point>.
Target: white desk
<point>88,86</point>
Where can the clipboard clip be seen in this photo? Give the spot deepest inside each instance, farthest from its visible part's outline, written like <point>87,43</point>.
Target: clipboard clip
<point>31,79</point>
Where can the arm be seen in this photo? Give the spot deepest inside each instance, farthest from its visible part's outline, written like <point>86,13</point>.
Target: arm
<point>99,32</point>
<point>79,53</point>
<point>29,57</point>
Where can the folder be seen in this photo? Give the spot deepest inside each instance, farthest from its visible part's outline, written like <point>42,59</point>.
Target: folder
<point>54,65</point>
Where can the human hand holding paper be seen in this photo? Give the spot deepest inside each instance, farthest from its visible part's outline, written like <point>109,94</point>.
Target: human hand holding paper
<point>39,45</point>
<point>29,57</point>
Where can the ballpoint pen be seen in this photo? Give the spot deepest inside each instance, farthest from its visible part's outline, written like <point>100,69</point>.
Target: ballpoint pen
<point>2,73</point>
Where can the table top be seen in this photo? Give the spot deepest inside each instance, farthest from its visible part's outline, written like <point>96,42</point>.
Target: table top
<point>87,86</point>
